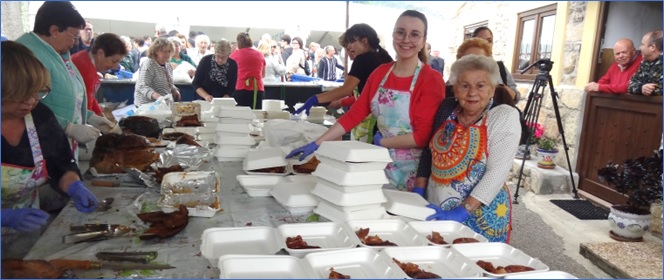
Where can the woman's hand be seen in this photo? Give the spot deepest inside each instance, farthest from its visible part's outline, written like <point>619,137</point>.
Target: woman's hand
<point>191,73</point>
<point>459,214</point>
<point>84,200</point>
<point>24,219</point>
<point>176,95</point>
<point>208,98</point>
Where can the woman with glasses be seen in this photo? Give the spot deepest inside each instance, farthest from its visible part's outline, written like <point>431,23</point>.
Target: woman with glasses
<point>463,169</point>
<point>402,96</point>
<point>56,29</point>
<point>249,89</point>
<point>107,52</point>
<point>216,74</point>
<point>274,66</point>
<point>155,77</point>
<point>296,62</point>
<point>35,152</point>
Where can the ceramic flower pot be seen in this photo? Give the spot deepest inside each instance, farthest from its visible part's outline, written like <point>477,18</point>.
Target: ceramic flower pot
<point>547,157</point>
<point>626,225</point>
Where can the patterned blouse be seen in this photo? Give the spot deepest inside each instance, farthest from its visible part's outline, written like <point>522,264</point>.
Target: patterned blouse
<point>649,72</point>
<point>153,77</point>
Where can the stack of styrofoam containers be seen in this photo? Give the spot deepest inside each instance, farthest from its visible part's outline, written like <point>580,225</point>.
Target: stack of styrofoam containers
<point>233,139</point>
<point>273,109</point>
<point>203,134</point>
<point>350,179</point>
<point>316,114</point>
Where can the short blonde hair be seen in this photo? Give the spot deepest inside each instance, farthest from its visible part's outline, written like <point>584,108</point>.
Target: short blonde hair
<point>474,62</point>
<point>159,44</point>
<point>474,43</point>
<point>222,47</point>
<point>265,47</point>
<point>22,73</point>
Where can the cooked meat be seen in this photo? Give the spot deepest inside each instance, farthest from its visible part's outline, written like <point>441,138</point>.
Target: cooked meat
<point>187,140</point>
<point>337,275</point>
<point>164,225</point>
<point>276,169</point>
<point>298,243</point>
<point>29,269</point>
<point>414,271</point>
<point>161,171</point>
<point>517,268</point>
<point>141,125</point>
<point>114,151</point>
<point>308,167</point>
<point>488,266</point>
<point>372,240</point>
<point>435,237</point>
<point>172,136</point>
<point>189,120</point>
<point>465,240</point>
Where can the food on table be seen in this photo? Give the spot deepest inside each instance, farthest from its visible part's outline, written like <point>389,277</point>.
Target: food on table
<point>298,243</point>
<point>276,170</point>
<point>164,225</point>
<point>363,234</point>
<point>30,269</point>
<point>337,275</point>
<point>307,167</point>
<point>488,266</point>
<point>141,125</point>
<point>161,171</point>
<point>113,152</point>
<point>435,237</point>
<point>465,240</point>
<point>189,120</point>
<point>187,140</point>
<point>173,136</point>
<point>414,271</point>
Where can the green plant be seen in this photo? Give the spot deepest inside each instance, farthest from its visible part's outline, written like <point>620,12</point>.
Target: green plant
<point>546,143</point>
<point>639,179</point>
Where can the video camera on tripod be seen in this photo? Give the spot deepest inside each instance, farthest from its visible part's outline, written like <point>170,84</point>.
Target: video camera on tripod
<point>544,65</point>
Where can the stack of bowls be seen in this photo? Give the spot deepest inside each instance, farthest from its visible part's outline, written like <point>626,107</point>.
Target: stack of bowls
<point>350,178</point>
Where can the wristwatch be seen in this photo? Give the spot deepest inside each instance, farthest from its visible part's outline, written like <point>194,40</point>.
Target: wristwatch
<point>468,207</point>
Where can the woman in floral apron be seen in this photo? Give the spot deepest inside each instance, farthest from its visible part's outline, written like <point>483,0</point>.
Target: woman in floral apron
<point>471,152</point>
<point>35,152</point>
<point>403,97</point>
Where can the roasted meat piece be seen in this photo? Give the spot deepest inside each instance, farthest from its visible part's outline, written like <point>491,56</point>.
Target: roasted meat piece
<point>414,271</point>
<point>308,167</point>
<point>488,266</point>
<point>276,169</point>
<point>337,275</point>
<point>363,234</point>
<point>114,151</point>
<point>30,269</point>
<point>161,171</point>
<point>140,125</point>
<point>517,268</point>
<point>164,225</point>
<point>465,240</point>
<point>172,136</point>
<point>435,237</point>
<point>189,120</point>
<point>298,243</point>
<point>180,138</point>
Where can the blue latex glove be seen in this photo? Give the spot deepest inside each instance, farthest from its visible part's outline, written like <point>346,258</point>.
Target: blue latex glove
<point>458,214</point>
<point>306,150</point>
<point>84,200</point>
<point>312,101</point>
<point>25,219</point>
<point>377,137</point>
<point>419,191</point>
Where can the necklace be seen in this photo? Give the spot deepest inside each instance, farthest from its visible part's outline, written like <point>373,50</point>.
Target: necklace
<point>472,121</point>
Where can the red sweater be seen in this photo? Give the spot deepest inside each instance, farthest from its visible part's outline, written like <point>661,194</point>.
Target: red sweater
<point>616,81</point>
<point>428,93</point>
<point>250,64</point>
<point>90,78</point>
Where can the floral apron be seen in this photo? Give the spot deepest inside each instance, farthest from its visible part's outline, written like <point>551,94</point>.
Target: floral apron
<point>459,156</point>
<point>390,108</point>
<point>79,95</point>
<point>20,190</point>
<point>364,131</point>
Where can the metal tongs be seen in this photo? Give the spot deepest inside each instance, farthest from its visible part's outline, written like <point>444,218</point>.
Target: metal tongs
<point>94,232</point>
<point>149,181</point>
<point>137,257</point>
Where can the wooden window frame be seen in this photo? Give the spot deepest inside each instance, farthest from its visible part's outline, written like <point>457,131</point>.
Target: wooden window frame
<point>537,15</point>
<point>468,29</point>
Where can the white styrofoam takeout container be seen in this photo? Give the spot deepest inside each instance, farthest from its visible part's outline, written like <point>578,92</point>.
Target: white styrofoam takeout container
<point>174,182</point>
<point>553,274</point>
<point>354,151</point>
<point>343,178</point>
<point>295,197</point>
<point>181,109</point>
<point>408,204</point>
<point>348,199</point>
<point>499,254</point>
<point>198,204</point>
<point>264,158</point>
<point>449,230</point>
<point>358,263</point>
<point>333,213</point>
<point>233,128</point>
<point>254,240</point>
<point>239,112</point>
<point>262,267</point>
<point>395,231</point>
<point>235,121</point>
<point>245,140</point>
<point>223,102</point>
<point>326,235</point>
<point>259,185</point>
<point>349,189</point>
<point>444,262</point>
<point>232,152</point>
<point>352,166</point>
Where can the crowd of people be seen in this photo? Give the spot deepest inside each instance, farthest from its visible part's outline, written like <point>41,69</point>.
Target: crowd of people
<point>452,144</point>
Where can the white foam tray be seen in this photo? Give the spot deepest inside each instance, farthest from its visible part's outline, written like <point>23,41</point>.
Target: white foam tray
<point>354,151</point>
<point>259,185</point>
<point>350,166</point>
<point>408,204</point>
<point>278,115</point>
<point>395,231</point>
<point>170,179</point>
<point>349,189</point>
<point>233,128</point>
<point>328,236</point>
<point>295,197</point>
<point>263,267</point>
<point>344,178</point>
<point>358,263</point>
<point>235,121</point>
<point>450,230</point>
<point>348,199</point>
<point>303,178</point>
<point>500,254</point>
<point>232,152</point>
<point>264,158</point>
<point>181,109</point>
<point>245,140</point>
<point>442,261</point>
<point>240,112</point>
<point>223,102</point>
<point>554,274</point>
<point>332,213</point>
<point>255,240</point>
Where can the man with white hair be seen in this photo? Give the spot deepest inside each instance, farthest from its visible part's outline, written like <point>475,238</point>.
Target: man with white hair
<point>201,49</point>
<point>328,65</point>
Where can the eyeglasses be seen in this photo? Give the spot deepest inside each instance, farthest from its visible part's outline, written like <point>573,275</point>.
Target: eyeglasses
<point>401,35</point>
<point>76,37</point>
<point>39,95</point>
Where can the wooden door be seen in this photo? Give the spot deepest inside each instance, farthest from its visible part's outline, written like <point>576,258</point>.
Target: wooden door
<point>615,128</point>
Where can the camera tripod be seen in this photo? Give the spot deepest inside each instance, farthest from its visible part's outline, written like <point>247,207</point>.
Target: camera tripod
<point>532,110</point>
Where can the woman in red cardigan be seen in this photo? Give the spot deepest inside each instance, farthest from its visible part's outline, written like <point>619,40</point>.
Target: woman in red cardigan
<point>106,53</point>
<point>403,97</point>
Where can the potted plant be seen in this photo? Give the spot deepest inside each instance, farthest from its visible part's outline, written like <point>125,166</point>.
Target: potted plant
<point>640,180</point>
<point>546,148</point>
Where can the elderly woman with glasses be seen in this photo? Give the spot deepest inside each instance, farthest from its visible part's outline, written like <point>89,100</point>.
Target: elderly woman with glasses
<point>35,152</point>
<point>402,96</point>
<point>56,29</point>
<point>463,169</point>
<point>155,77</point>
<point>274,66</point>
<point>216,74</point>
<point>296,62</point>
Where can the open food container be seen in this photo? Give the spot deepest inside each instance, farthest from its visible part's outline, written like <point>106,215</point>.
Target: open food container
<point>450,231</point>
<point>190,182</point>
<point>407,204</point>
<point>357,263</point>
<point>444,262</point>
<point>295,197</point>
<point>198,204</point>
<point>554,274</point>
<point>343,178</point>
<point>266,161</point>
<point>354,151</point>
<point>337,214</point>
<point>263,267</point>
<point>259,185</point>
<point>499,254</point>
<point>327,236</point>
<point>254,240</point>
<point>349,199</point>
<point>181,109</point>
<point>395,231</point>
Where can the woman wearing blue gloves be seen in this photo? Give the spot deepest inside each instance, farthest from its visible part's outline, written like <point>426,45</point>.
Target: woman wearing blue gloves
<point>464,167</point>
<point>35,152</point>
<point>403,97</point>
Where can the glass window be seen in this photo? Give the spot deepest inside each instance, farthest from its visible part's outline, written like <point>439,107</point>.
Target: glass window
<point>535,40</point>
